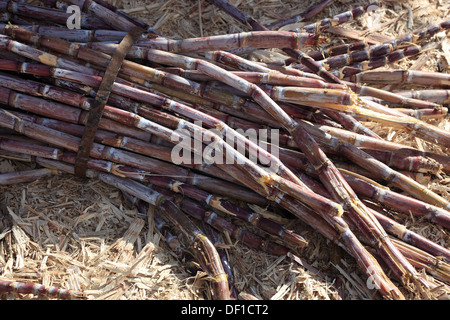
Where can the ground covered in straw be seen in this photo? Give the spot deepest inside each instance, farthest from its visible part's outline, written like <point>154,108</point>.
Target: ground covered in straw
<point>82,235</point>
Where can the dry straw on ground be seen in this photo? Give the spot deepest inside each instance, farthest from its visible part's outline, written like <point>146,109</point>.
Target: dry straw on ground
<point>82,235</point>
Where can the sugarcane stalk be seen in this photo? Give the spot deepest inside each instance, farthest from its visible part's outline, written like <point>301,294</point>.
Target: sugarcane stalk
<point>65,47</point>
<point>61,112</point>
<point>415,77</point>
<point>175,245</point>
<point>393,98</point>
<point>364,160</point>
<point>157,75</point>
<point>132,69</point>
<point>48,14</point>
<point>345,48</point>
<point>423,260</point>
<point>301,54</point>
<point>15,156</point>
<point>231,104</point>
<point>258,176</point>
<point>192,208</point>
<point>415,37</point>
<point>17,145</point>
<point>76,35</point>
<point>345,119</point>
<point>99,151</point>
<point>339,61</point>
<point>267,76</point>
<point>40,89</point>
<point>360,213</point>
<point>241,107</point>
<point>408,163</point>
<point>354,69</point>
<point>417,258</point>
<point>357,56</point>
<point>285,69</point>
<point>412,125</point>
<point>360,183</point>
<point>404,163</point>
<point>292,52</point>
<point>111,7</point>
<point>405,234</point>
<point>315,28</point>
<point>231,209</point>
<point>223,225</point>
<point>342,55</point>
<point>253,39</point>
<point>216,239</point>
<point>173,184</point>
<point>298,161</point>
<point>151,32</point>
<point>338,19</point>
<point>110,18</point>
<point>160,131</point>
<point>410,237</point>
<point>222,185</point>
<point>200,213</point>
<point>258,77</point>
<point>197,211</point>
<point>112,113</point>
<point>239,63</point>
<point>205,67</point>
<point>26,176</point>
<point>348,57</point>
<point>421,178</point>
<point>42,57</point>
<point>440,96</point>
<point>363,218</point>
<point>248,20</point>
<point>422,246</point>
<point>7,286</point>
<point>369,143</point>
<point>7,17</point>
<point>398,201</point>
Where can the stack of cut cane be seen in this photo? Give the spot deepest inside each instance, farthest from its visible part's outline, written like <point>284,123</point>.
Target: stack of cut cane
<point>128,98</point>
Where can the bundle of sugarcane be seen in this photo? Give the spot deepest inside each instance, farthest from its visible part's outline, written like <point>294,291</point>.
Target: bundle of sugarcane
<point>183,126</point>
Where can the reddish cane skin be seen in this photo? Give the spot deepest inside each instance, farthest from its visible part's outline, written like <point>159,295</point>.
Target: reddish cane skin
<point>32,288</point>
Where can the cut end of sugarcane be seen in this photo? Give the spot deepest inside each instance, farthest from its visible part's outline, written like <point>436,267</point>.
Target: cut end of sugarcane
<point>339,211</point>
<point>216,202</point>
<point>295,239</point>
<point>323,40</point>
<point>264,180</point>
<point>431,166</point>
